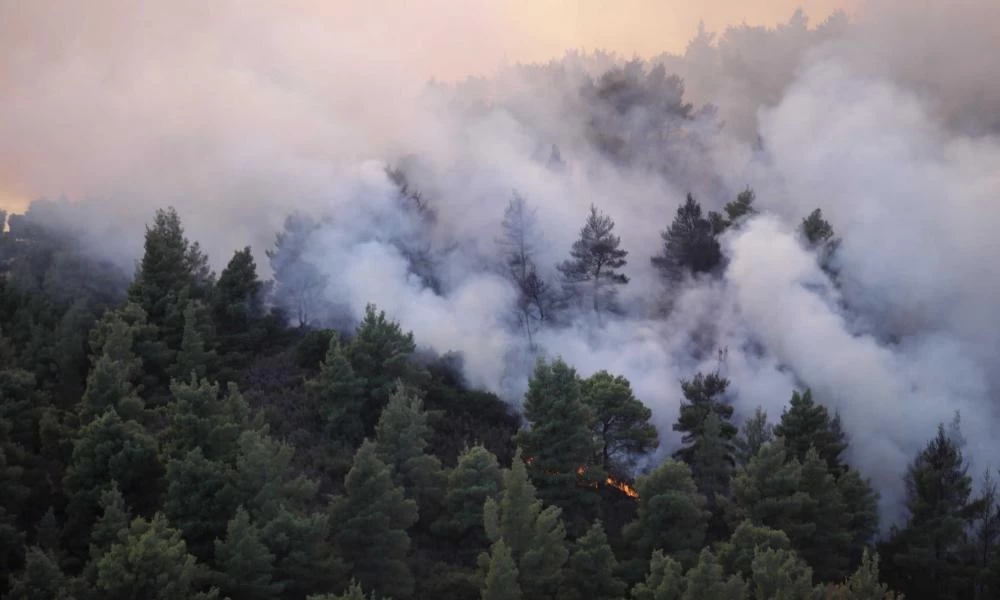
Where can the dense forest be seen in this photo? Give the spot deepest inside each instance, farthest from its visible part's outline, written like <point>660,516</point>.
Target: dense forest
<point>717,324</point>
<point>181,435</point>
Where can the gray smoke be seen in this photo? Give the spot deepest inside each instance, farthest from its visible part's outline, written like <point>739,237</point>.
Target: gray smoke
<point>888,123</point>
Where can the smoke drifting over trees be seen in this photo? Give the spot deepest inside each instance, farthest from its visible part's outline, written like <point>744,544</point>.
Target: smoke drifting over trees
<point>399,194</point>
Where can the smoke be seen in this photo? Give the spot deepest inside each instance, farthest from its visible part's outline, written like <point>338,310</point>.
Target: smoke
<point>239,114</point>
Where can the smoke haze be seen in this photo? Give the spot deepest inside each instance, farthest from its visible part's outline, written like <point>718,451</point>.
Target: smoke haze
<point>239,113</point>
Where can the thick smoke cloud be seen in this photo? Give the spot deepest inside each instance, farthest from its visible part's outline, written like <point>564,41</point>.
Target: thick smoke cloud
<point>888,123</point>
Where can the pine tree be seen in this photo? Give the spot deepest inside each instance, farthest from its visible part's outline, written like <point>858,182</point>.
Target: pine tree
<point>372,518</point>
<point>193,360</point>
<point>475,479</point>
<point>380,354</point>
<point>712,461</point>
<point>704,394</point>
<point>238,299</point>
<point>816,229</point>
<point>736,554</point>
<point>41,578</point>
<point>593,269</point>
<point>501,578</point>
<point>401,435</point>
<point>560,442</point>
<point>535,536</point>
<point>927,553</point>
<point>755,433</point>
<point>620,421</point>
<point>245,565</point>
<point>689,244</point>
<point>150,561</point>
<point>806,424</point>
<point>665,580</point>
<point>200,499</point>
<point>110,383</point>
<point>780,574</point>
<point>864,584</point>
<point>199,418</point>
<point>106,450</point>
<point>671,515</point>
<point>705,580</point>
<point>591,569</point>
<point>769,493</point>
<point>740,209</point>
<point>340,394</point>
<point>861,505</point>
<point>828,549</point>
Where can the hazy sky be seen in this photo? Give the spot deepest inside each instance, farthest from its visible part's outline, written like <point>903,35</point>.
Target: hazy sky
<point>441,38</point>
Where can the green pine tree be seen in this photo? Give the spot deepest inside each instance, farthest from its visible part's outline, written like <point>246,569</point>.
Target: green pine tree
<point>736,554</point>
<point>620,422</point>
<point>591,569</point>
<point>41,578</point>
<point>380,354</point>
<point>754,434</point>
<point>106,450</point>
<point>372,518</point>
<point>559,442</point>
<point>706,580</point>
<point>704,394</point>
<point>150,561</point>
<point>665,580</point>
<point>340,395</point>
<point>402,436</point>
<point>671,514</point>
<point>246,567</point>
<point>501,578</point>
<point>806,424</point>
<point>474,480</point>
<point>780,574</point>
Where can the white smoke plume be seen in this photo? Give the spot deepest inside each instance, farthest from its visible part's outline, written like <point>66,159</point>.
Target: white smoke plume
<point>889,123</point>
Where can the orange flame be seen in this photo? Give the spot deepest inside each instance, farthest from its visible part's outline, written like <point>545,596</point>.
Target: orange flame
<point>621,486</point>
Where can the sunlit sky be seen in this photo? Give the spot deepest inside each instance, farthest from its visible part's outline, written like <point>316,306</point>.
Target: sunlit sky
<point>446,39</point>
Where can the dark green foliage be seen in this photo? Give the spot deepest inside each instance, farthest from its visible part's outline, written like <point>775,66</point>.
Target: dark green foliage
<point>924,558</point>
<point>706,580</point>
<point>340,395</point>
<point>501,578</point>
<point>592,271</point>
<point>665,580</point>
<point>106,450</point>
<point>199,500</point>
<point>672,516</point>
<point>371,521</point>
<point>246,566</point>
<point>535,535</point>
<point>354,592</point>
<point>737,553</point>
<point>401,436</point>
<point>150,560</point>
<point>780,574</point>
<point>620,421</point>
<point>689,244</point>
<point>560,442</point>
<point>380,354</point>
<point>475,479</point>
<point>704,394</point>
<point>591,569</point>
<point>806,424</point>
<point>816,229</point>
<point>754,434</point>
<point>199,417</point>
<point>41,579</point>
